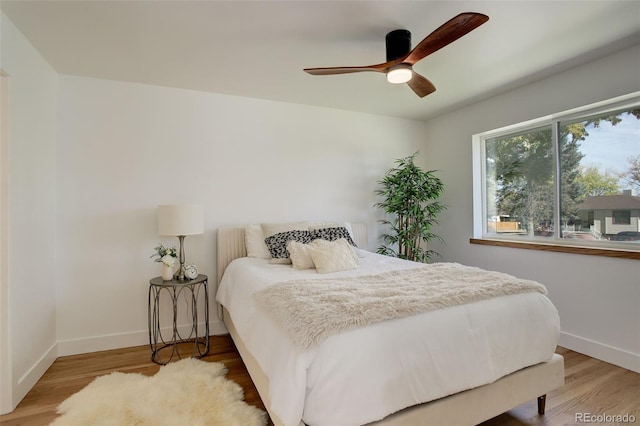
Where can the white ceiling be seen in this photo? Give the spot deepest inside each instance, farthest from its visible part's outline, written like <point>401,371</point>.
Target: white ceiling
<point>259,48</point>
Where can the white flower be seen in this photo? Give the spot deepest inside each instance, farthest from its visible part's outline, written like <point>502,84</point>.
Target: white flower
<point>168,260</point>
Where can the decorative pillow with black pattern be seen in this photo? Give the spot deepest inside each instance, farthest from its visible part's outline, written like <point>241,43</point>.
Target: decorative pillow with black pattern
<point>277,244</point>
<point>332,234</point>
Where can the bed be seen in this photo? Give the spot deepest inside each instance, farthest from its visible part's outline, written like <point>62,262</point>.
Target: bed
<point>482,358</point>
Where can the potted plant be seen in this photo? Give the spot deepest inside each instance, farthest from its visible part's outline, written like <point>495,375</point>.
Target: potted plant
<point>168,257</point>
<point>410,196</point>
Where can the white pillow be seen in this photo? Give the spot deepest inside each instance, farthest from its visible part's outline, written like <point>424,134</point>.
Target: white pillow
<point>299,254</point>
<point>333,256</point>
<point>254,242</point>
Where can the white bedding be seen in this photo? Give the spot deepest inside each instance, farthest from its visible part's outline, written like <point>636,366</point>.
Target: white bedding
<point>365,374</point>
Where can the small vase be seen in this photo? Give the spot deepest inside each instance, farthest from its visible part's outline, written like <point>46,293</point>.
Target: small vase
<point>167,273</point>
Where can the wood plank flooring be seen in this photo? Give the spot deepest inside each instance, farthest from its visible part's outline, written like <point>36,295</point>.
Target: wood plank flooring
<point>591,386</point>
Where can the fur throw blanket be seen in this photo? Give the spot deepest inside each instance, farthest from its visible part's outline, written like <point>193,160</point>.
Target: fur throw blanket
<point>312,310</point>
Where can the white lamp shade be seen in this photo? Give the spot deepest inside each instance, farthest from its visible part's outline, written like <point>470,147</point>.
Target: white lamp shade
<point>187,219</point>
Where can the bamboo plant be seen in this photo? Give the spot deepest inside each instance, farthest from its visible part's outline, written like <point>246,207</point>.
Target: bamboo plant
<point>410,197</point>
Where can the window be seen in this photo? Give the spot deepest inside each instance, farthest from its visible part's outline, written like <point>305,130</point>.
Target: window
<point>572,178</point>
<point>519,183</point>
<point>621,217</point>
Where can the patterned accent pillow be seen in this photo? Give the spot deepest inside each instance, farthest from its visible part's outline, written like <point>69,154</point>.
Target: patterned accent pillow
<point>277,244</point>
<point>332,234</point>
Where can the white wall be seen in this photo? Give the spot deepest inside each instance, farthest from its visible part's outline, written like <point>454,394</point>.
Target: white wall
<point>598,298</point>
<point>125,148</point>
<point>32,87</point>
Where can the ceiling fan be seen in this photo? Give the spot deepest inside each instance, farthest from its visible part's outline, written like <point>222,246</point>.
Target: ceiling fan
<point>400,57</point>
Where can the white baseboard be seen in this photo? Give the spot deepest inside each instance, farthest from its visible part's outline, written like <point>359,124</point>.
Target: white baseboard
<point>31,377</point>
<point>218,328</point>
<point>105,342</point>
<point>610,354</point>
<point>120,340</point>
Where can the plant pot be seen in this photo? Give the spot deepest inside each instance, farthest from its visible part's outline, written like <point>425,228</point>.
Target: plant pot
<point>167,273</point>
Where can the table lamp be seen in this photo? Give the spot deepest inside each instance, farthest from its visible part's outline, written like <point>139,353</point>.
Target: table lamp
<point>180,221</point>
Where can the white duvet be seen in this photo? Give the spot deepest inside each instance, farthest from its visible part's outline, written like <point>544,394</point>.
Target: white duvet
<point>364,375</point>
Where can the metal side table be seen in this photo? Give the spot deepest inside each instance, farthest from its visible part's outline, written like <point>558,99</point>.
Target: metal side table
<point>189,299</point>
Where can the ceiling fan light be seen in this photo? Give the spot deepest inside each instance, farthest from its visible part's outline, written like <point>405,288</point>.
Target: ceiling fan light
<point>399,74</point>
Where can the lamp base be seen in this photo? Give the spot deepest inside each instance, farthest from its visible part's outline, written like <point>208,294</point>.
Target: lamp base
<point>180,273</point>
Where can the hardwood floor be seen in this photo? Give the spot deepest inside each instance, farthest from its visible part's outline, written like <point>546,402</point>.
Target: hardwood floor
<point>591,386</point>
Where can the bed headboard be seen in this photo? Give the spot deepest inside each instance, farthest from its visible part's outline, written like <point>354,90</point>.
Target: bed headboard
<point>230,244</point>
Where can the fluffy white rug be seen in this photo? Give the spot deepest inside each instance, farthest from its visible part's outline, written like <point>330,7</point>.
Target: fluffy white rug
<point>188,392</point>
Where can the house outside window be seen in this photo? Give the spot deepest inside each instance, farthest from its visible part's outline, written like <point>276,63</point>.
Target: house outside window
<point>621,217</point>
<point>573,177</point>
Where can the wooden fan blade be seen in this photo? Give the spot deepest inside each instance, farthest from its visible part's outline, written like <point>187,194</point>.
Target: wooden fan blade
<point>420,85</point>
<point>346,70</point>
<point>449,32</point>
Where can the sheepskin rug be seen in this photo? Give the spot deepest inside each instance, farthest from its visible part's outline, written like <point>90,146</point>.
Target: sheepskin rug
<point>187,392</point>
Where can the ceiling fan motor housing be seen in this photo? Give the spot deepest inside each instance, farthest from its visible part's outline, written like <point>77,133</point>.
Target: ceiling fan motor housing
<point>398,44</point>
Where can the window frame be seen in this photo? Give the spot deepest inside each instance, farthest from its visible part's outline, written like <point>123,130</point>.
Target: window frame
<point>555,242</point>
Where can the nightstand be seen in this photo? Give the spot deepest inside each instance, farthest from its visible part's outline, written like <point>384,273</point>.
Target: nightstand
<point>188,299</point>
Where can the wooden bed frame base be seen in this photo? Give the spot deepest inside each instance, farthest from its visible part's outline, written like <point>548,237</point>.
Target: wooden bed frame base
<point>465,408</point>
